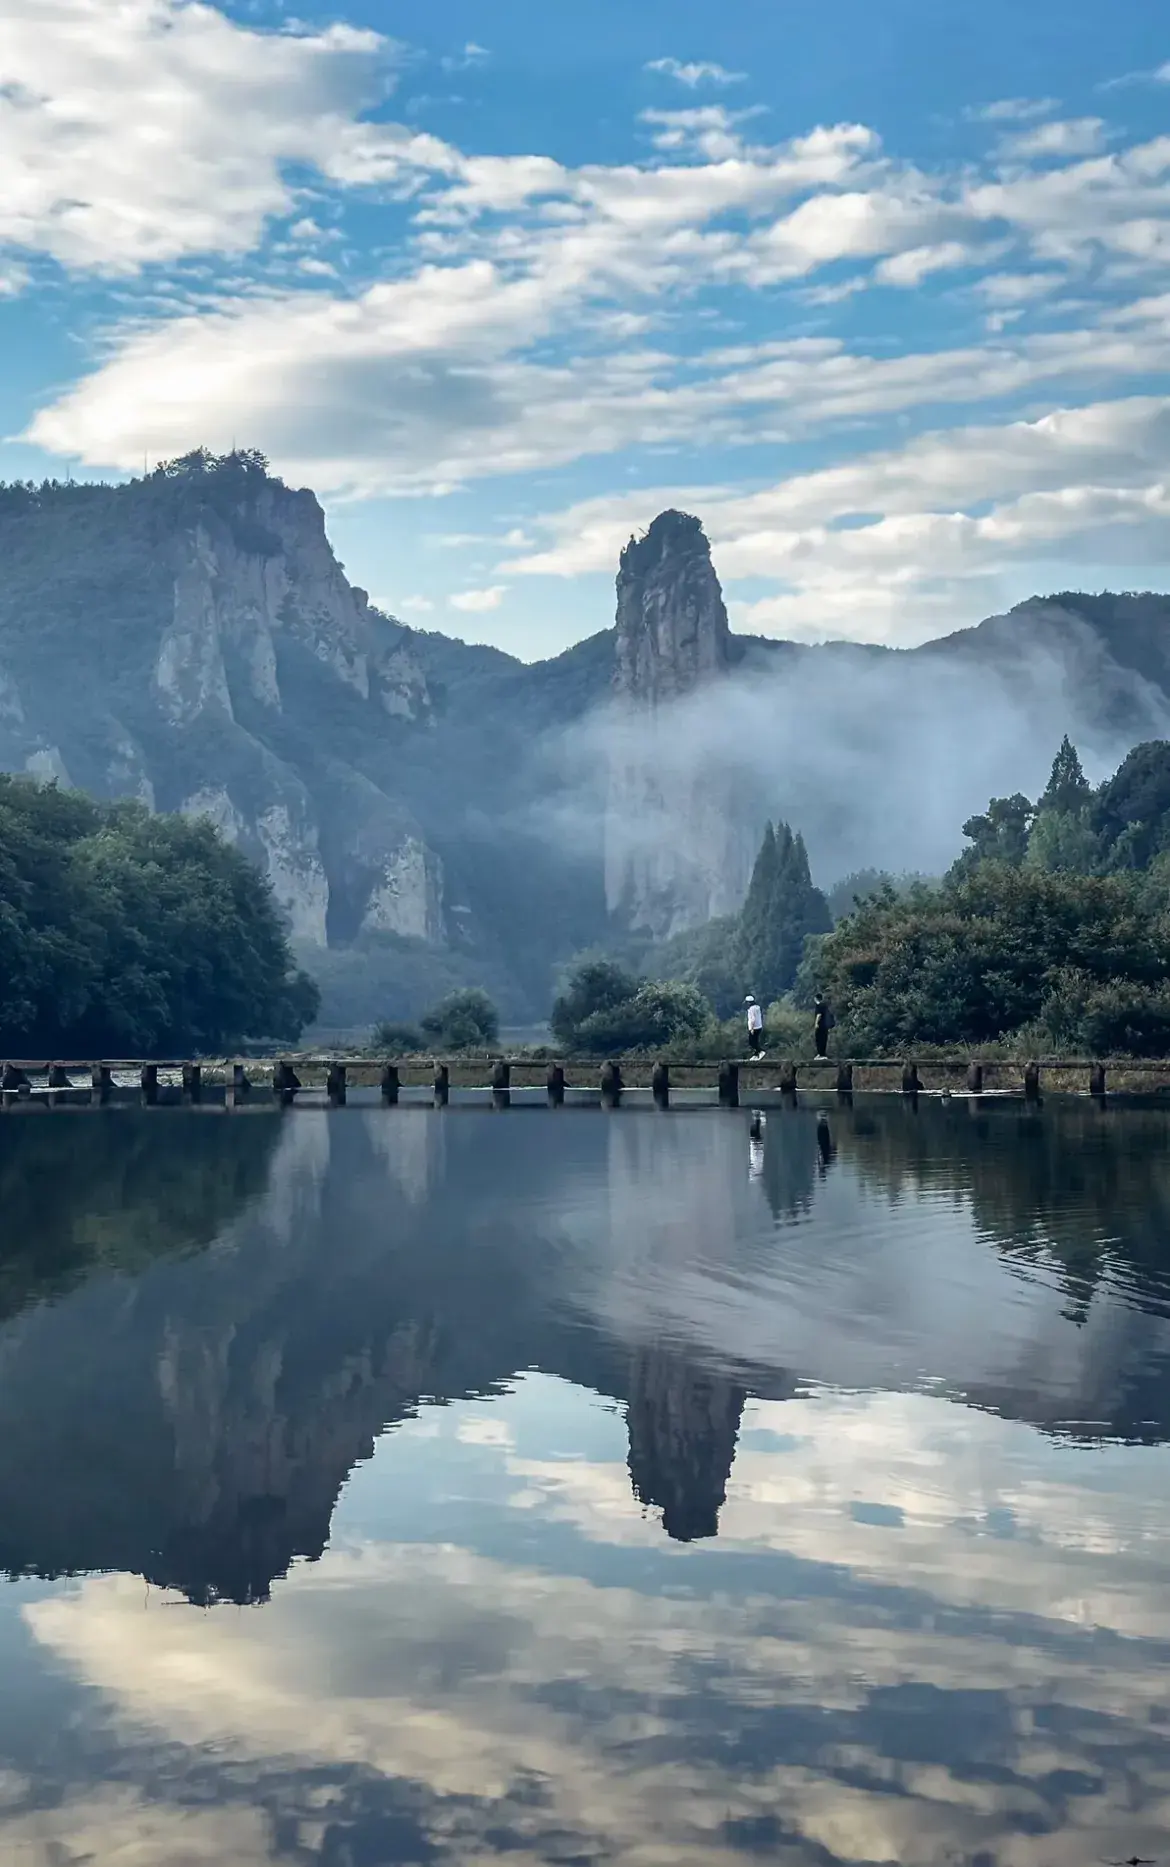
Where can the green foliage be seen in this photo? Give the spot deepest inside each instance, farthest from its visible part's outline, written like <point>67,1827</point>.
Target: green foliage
<point>661,1014</point>
<point>465,1020</point>
<point>1067,790</point>
<point>129,934</point>
<point>783,908</point>
<point>604,1010</point>
<point>596,988</point>
<point>1000,834</point>
<point>997,949</point>
<point>1131,811</point>
<point>844,896</point>
<point>1063,840</point>
<point>392,1039</point>
<point>706,957</point>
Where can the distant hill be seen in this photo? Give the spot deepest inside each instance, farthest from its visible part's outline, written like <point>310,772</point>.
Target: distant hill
<point>432,812</point>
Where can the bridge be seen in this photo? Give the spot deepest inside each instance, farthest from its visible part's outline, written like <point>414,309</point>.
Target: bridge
<point>326,1081</point>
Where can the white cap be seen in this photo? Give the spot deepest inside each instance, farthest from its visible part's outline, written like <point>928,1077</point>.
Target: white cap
<point>749,1000</point>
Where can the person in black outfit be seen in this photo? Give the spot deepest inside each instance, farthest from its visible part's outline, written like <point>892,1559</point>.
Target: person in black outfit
<point>822,1025</point>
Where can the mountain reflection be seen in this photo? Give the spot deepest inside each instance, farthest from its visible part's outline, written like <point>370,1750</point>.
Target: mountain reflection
<point>207,1321</point>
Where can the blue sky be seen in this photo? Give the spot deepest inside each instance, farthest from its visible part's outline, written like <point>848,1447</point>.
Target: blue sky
<point>881,291</point>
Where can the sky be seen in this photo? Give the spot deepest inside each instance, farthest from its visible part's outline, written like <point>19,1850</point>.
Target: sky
<point>881,292</point>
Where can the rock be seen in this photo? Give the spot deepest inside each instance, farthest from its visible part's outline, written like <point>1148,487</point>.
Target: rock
<point>208,606</point>
<point>672,629</point>
<point>678,843</point>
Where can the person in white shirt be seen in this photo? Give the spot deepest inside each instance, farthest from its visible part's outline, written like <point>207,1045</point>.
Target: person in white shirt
<point>755,1024</point>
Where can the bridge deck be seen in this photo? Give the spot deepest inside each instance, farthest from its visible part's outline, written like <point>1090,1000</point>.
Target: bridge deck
<point>731,1081</point>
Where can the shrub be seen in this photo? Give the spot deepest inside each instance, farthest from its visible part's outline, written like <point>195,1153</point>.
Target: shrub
<point>660,1014</point>
<point>393,1039</point>
<point>595,988</point>
<point>463,1021</point>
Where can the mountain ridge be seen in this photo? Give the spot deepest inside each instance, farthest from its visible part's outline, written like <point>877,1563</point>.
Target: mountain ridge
<point>431,811</point>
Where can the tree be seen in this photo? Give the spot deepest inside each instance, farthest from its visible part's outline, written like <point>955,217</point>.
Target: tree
<point>597,986</point>
<point>659,1015</point>
<point>134,935</point>
<point>997,949</point>
<point>783,908</point>
<point>1131,811</point>
<point>1063,840</point>
<point>1067,789</point>
<point>1000,834</point>
<point>465,1020</point>
<point>392,1038</point>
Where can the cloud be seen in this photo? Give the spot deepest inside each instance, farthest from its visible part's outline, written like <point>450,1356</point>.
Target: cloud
<point>525,314</point>
<point>708,130</point>
<point>476,602</point>
<point>1067,137</point>
<point>692,75</point>
<point>472,54</point>
<point>1012,110</point>
<point>898,546</point>
<point>419,1687</point>
<point>918,262</point>
<point>151,130</point>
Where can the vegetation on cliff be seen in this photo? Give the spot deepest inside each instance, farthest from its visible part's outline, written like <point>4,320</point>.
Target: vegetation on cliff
<point>128,934</point>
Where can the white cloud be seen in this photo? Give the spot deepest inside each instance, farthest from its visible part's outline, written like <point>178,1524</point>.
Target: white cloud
<point>426,383</point>
<point>149,130</point>
<point>918,262</point>
<point>692,75</point>
<point>1018,288</point>
<point>477,602</point>
<point>532,315</point>
<point>421,605</point>
<point>709,130</point>
<point>1067,137</point>
<point>899,545</point>
<point>472,54</point>
<point>1012,110</point>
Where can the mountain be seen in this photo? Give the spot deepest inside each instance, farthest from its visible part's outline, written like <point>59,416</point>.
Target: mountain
<point>431,812</point>
<point>678,844</point>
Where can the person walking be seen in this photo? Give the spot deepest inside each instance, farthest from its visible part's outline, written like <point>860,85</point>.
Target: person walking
<point>823,1022</point>
<point>755,1024</point>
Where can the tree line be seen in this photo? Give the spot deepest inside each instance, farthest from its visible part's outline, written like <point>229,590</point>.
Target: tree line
<point>127,934</point>
<point>1051,930</point>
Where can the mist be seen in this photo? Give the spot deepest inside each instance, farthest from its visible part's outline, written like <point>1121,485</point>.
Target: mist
<point>878,759</point>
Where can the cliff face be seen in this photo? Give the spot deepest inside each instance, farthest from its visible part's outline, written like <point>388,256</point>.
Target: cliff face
<point>678,847</point>
<point>219,663</point>
<point>672,630</point>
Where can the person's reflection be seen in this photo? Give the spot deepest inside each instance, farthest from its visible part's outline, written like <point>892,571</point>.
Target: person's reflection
<point>826,1146</point>
<point>756,1145</point>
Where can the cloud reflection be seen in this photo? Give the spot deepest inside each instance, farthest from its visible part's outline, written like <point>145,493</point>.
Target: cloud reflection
<point>986,1679</point>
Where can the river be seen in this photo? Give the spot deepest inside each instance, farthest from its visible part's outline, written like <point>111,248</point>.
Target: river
<point>399,1485</point>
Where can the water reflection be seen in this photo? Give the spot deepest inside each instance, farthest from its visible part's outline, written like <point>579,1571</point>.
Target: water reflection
<point>781,1487</point>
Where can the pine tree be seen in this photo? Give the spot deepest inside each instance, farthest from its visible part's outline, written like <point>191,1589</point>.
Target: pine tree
<point>782,908</point>
<point>1068,788</point>
<point>756,919</point>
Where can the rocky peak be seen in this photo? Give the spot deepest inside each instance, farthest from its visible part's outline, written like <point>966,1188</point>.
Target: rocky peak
<point>672,630</point>
<point>677,847</point>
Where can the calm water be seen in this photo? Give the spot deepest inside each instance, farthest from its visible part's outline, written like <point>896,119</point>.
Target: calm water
<point>394,1486</point>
